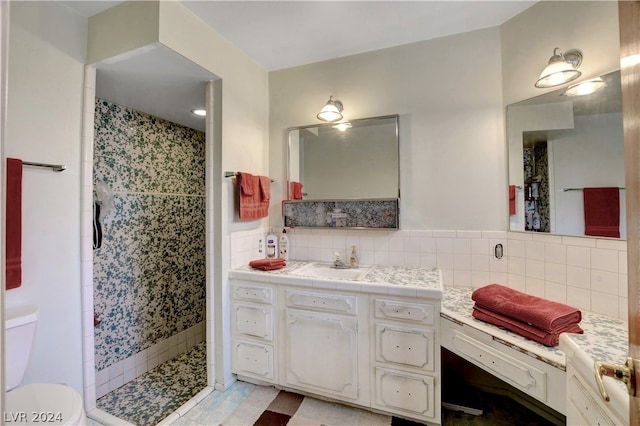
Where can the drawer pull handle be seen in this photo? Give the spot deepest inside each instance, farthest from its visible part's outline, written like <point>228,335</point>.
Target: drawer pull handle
<point>624,373</point>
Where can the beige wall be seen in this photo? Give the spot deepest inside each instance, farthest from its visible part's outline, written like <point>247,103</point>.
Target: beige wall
<point>448,93</point>
<point>529,38</point>
<point>44,113</point>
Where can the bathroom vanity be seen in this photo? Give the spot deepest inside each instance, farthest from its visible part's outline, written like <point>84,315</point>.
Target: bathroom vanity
<point>372,338</point>
<point>369,340</point>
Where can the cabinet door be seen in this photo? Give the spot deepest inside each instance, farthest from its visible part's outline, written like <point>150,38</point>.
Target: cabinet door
<point>253,321</point>
<point>322,352</point>
<point>405,393</point>
<point>408,347</point>
<point>253,359</point>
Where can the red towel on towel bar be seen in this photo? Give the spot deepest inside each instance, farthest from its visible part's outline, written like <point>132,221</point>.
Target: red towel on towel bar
<point>14,224</point>
<point>268,264</point>
<point>602,212</point>
<point>296,191</point>
<point>541,313</point>
<point>512,200</point>
<point>522,329</point>
<point>252,194</point>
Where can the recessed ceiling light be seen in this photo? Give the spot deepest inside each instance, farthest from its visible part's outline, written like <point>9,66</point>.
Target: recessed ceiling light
<point>200,112</point>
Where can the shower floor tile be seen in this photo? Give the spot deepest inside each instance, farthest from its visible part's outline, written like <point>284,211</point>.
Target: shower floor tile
<point>154,395</point>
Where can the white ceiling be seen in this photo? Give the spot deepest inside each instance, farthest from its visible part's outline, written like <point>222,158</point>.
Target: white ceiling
<point>283,34</point>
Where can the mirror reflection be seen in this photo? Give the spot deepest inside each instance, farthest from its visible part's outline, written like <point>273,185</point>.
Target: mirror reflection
<point>558,146</point>
<point>358,159</point>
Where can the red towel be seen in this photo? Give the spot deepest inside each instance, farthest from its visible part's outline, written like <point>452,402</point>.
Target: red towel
<point>526,330</point>
<point>296,191</point>
<point>544,314</point>
<point>268,264</point>
<point>602,212</point>
<point>251,194</point>
<point>512,200</point>
<point>14,224</point>
<point>265,188</point>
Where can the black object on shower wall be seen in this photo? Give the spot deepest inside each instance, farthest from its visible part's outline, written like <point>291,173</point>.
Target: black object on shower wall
<point>97,228</point>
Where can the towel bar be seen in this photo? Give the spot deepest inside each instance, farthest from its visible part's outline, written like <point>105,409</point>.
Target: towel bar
<point>234,174</point>
<point>53,167</point>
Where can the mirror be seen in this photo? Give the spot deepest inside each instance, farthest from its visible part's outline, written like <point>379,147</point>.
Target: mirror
<point>351,160</point>
<point>559,145</point>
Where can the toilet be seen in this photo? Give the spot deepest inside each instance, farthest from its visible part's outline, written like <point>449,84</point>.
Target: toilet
<point>37,403</point>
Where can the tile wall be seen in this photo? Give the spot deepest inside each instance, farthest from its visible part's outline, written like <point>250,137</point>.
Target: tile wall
<point>587,273</point>
<point>149,272</point>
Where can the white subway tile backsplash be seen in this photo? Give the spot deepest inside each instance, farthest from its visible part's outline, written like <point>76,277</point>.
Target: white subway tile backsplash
<point>579,256</point>
<point>579,277</point>
<point>555,273</point>
<point>603,281</point>
<point>558,268</point>
<point>605,304</point>
<point>555,253</point>
<point>516,248</point>
<point>604,260</point>
<point>534,250</point>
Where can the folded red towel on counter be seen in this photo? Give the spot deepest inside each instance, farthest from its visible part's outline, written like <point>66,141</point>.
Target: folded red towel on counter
<point>268,264</point>
<point>523,329</point>
<point>541,313</point>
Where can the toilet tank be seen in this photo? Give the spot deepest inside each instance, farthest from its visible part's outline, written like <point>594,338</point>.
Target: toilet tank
<point>20,330</point>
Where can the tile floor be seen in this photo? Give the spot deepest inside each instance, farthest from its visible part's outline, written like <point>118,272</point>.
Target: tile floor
<point>153,396</point>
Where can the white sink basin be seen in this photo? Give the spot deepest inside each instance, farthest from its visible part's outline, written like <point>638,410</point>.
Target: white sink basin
<point>326,270</point>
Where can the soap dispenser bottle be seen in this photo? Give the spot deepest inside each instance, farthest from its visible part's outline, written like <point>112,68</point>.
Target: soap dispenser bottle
<point>283,245</point>
<point>353,260</point>
<point>272,244</point>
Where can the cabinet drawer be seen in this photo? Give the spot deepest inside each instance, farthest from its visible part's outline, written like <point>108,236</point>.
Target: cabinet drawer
<point>404,393</point>
<point>423,313</point>
<point>253,293</point>
<point>254,321</point>
<point>253,359</point>
<point>322,301</point>
<point>582,408</point>
<point>519,374</point>
<point>408,347</point>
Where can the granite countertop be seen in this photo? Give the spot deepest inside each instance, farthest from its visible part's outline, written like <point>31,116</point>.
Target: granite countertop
<point>387,280</point>
<point>604,338</point>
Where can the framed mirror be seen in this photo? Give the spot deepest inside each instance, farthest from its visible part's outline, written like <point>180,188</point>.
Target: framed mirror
<point>352,160</point>
<point>558,146</point>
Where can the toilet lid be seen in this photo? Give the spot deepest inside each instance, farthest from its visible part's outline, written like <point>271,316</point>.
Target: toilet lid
<point>43,403</point>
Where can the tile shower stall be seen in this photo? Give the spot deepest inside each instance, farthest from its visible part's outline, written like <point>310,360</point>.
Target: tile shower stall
<point>149,264</point>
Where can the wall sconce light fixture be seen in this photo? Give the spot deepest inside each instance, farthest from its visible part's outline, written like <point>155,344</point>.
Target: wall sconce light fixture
<point>562,68</point>
<point>585,87</point>
<point>332,111</point>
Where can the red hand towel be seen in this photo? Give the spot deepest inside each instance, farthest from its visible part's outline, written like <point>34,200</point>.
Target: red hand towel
<point>512,200</point>
<point>541,313</point>
<point>268,264</point>
<point>526,330</point>
<point>14,224</point>
<point>296,190</point>
<point>265,188</point>
<point>602,212</point>
<point>252,206</point>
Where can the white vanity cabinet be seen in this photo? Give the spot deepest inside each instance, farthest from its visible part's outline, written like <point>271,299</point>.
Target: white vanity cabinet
<point>347,341</point>
<point>252,334</point>
<point>406,357</point>
<point>321,343</point>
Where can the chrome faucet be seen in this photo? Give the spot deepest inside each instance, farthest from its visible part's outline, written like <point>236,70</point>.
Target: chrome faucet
<point>338,263</point>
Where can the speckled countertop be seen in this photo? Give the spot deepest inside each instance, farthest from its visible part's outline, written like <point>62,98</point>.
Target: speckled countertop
<point>388,280</point>
<point>604,338</point>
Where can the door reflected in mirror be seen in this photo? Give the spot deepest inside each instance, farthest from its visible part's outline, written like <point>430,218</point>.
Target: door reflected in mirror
<point>354,160</point>
<point>559,145</point>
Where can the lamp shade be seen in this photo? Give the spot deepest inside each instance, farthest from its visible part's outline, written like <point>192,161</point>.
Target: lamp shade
<point>585,87</point>
<point>560,70</point>
<point>332,111</point>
